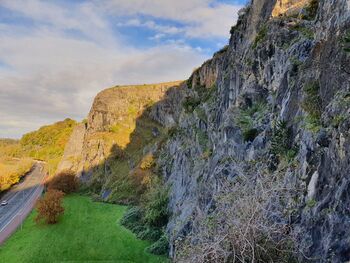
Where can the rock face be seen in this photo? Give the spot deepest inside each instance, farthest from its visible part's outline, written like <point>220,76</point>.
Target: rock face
<point>73,150</point>
<point>109,126</point>
<point>274,103</point>
<point>288,7</point>
<point>275,62</point>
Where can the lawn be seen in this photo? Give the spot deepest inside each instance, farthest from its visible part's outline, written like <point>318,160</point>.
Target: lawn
<point>88,232</point>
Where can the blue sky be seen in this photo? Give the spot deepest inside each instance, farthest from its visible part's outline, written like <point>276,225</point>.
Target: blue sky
<point>56,55</point>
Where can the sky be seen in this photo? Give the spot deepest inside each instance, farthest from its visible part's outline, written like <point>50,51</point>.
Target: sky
<point>56,55</point>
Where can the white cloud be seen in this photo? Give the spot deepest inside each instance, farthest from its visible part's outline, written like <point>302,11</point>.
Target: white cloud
<point>202,18</point>
<point>51,74</point>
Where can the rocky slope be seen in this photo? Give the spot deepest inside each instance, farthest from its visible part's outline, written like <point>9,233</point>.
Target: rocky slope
<point>264,124</point>
<point>108,145</point>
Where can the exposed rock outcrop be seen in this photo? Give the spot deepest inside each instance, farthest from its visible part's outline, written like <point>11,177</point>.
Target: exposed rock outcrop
<point>108,130</point>
<point>278,62</point>
<point>275,104</point>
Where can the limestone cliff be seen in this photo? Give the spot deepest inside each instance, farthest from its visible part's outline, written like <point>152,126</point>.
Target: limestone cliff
<point>289,7</point>
<point>278,75</point>
<point>264,124</point>
<point>110,143</point>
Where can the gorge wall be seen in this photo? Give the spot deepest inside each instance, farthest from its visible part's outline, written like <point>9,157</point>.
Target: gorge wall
<point>265,123</point>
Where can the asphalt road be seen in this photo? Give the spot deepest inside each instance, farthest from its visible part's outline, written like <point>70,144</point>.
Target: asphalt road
<point>21,199</point>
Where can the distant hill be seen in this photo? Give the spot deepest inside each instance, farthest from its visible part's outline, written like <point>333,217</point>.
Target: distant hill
<point>47,144</point>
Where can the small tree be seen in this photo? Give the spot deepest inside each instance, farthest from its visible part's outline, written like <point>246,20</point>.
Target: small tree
<point>65,181</point>
<point>50,207</point>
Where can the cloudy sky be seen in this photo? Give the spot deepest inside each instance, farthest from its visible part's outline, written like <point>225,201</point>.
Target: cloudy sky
<point>56,55</point>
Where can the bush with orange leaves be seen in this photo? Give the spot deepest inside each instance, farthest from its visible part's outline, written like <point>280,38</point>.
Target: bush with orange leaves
<point>65,181</point>
<point>50,207</point>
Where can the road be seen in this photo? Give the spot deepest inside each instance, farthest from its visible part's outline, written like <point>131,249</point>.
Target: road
<point>21,199</point>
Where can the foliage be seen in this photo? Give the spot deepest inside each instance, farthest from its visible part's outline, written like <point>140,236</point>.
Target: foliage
<point>312,105</point>
<point>281,138</point>
<point>338,120</point>
<point>312,124</point>
<point>203,139</point>
<point>9,148</point>
<point>250,135</point>
<point>249,117</point>
<point>261,36</point>
<point>156,204</point>
<point>311,10</point>
<point>311,203</point>
<point>50,207</point>
<point>148,221</point>
<point>346,42</point>
<point>281,141</point>
<point>239,229</point>
<point>190,104</point>
<point>161,247</point>
<point>87,232</point>
<point>132,217</point>
<point>306,32</point>
<point>147,162</point>
<point>12,170</point>
<point>222,50</point>
<point>65,181</point>
<point>189,82</point>
<point>173,131</point>
<point>48,142</point>
<point>150,233</point>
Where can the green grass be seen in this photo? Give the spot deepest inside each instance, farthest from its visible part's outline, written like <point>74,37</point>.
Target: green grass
<point>87,232</point>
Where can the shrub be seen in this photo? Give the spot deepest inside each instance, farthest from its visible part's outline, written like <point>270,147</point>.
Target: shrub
<point>132,217</point>
<point>65,181</point>
<point>311,10</point>
<point>150,233</point>
<point>156,205</point>
<point>312,106</point>
<point>203,139</point>
<point>190,104</point>
<point>161,247</point>
<point>50,207</point>
<point>248,118</point>
<point>147,162</point>
<point>189,82</point>
<point>346,42</point>
<point>250,135</point>
<point>261,36</point>
<point>305,31</point>
<point>149,221</point>
<point>281,138</point>
<point>173,131</point>
<point>242,227</point>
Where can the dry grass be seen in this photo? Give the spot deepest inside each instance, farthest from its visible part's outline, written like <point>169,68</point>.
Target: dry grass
<point>248,224</point>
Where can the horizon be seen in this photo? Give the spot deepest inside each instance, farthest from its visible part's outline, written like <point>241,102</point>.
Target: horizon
<point>53,61</point>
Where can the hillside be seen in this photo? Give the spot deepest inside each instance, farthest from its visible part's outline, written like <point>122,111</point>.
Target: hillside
<point>257,139</point>
<point>47,144</point>
<point>107,149</point>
